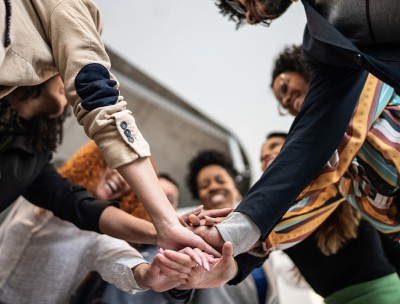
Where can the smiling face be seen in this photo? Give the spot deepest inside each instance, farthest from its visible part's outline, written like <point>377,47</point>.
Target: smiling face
<point>216,188</point>
<point>111,186</point>
<point>290,89</point>
<point>270,150</point>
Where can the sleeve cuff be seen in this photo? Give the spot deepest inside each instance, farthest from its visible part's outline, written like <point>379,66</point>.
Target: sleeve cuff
<point>235,227</point>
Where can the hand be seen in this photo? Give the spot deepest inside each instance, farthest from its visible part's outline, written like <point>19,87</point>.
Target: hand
<point>210,235</point>
<point>211,217</point>
<point>170,268</point>
<point>196,221</point>
<point>175,236</point>
<point>224,270</point>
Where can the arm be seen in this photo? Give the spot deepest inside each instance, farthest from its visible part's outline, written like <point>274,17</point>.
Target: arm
<point>311,142</point>
<point>75,204</point>
<point>72,29</point>
<point>122,265</point>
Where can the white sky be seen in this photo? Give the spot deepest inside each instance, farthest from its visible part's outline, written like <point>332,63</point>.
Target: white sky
<point>194,51</point>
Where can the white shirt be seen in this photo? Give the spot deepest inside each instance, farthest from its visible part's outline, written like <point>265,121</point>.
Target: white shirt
<point>44,259</point>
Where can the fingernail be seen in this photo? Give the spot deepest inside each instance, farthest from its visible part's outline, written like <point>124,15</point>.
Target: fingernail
<point>199,261</point>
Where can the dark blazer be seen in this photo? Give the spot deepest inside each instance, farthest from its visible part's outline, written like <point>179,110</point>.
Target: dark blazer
<point>29,173</point>
<point>338,73</point>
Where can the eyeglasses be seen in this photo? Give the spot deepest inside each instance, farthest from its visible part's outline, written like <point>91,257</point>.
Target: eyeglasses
<point>237,7</point>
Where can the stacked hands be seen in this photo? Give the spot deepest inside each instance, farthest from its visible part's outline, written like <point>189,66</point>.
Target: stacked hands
<point>200,266</point>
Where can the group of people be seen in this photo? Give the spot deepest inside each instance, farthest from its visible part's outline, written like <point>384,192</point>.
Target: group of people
<point>328,198</point>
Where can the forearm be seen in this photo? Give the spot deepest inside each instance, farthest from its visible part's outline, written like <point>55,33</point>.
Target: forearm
<point>140,175</point>
<point>121,225</point>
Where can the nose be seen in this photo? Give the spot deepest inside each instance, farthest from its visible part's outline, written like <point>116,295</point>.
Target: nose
<point>213,186</point>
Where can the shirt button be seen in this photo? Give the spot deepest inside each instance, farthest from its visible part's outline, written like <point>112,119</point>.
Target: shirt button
<point>130,139</point>
<point>359,59</point>
<point>123,125</point>
<point>127,132</point>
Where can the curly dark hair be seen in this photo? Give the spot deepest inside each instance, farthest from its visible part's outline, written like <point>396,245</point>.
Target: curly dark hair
<point>203,159</point>
<point>273,7</point>
<point>45,134</point>
<point>290,60</point>
<point>226,10</point>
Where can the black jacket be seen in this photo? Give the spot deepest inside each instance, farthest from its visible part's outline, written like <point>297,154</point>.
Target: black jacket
<point>30,174</point>
<point>338,73</point>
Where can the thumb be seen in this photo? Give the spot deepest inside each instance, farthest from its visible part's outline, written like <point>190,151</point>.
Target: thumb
<point>227,250</point>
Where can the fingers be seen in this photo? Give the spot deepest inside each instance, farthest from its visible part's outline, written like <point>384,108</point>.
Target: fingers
<point>227,250</point>
<point>216,212</point>
<point>182,221</point>
<point>202,258</point>
<point>185,217</point>
<point>211,221</point>
<point>194,220</point>
<point>174,264</point>
<point>208,249</point>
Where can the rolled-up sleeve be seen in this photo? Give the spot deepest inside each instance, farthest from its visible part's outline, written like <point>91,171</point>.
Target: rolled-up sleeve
<point>73,30</point>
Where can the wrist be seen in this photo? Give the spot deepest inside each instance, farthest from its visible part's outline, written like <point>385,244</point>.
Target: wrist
<point>139,273</point>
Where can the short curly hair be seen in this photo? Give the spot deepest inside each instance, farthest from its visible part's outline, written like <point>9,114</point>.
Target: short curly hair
<point>273,7</point>
<point>87,167</point>
<point>226,10</point>
<point>203,159</point>
<point>290,60</point>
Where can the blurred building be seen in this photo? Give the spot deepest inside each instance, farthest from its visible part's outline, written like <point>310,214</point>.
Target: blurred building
<point>175,130</point>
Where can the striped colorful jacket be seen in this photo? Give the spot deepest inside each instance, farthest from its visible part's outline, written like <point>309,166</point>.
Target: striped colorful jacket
<point>363,171</point>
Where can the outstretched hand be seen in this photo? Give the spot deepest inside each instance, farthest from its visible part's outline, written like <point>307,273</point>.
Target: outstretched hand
<point>221,272</point>
<point>170,268</point>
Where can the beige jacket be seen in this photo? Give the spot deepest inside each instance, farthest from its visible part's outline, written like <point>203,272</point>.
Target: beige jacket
<point>62,36</point>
